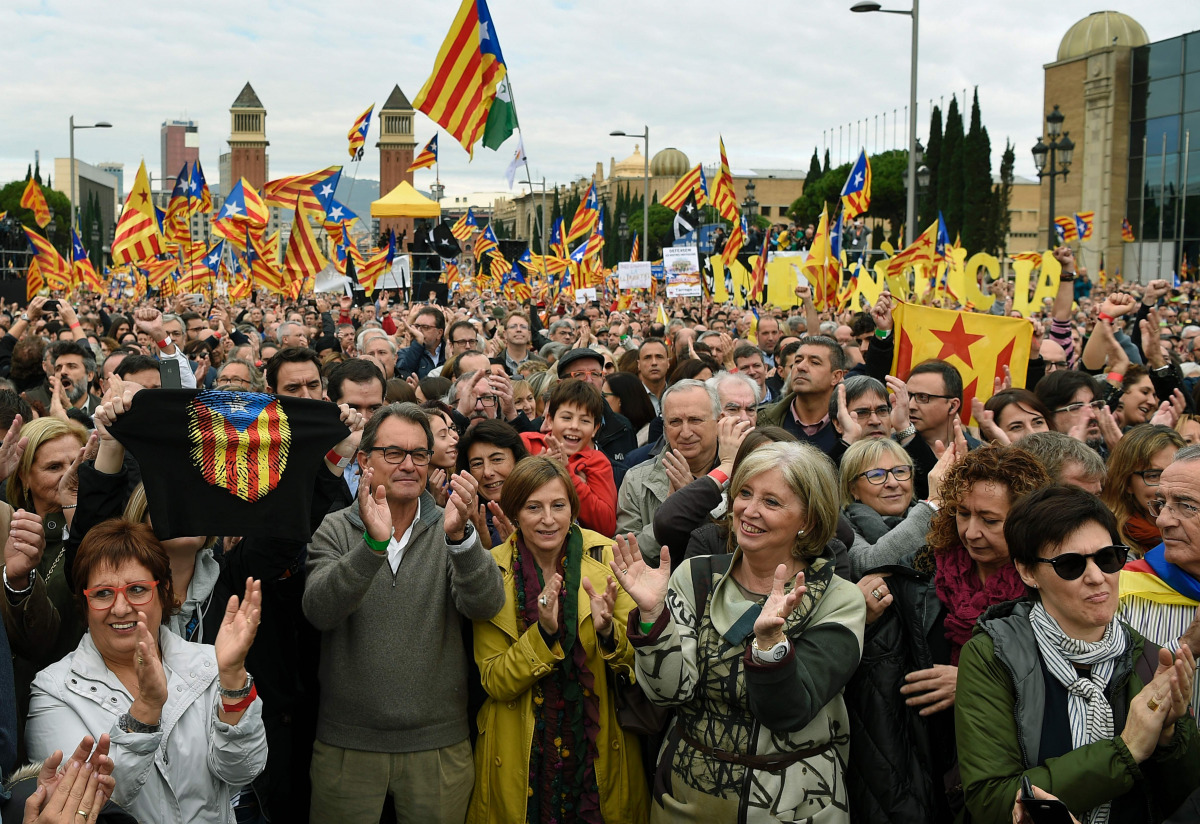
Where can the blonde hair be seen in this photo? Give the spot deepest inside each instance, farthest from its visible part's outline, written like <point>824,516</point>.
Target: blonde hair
<point>863,455</point>
<point>137,508</point>
<point>809,474</point>
<point>38,432</point>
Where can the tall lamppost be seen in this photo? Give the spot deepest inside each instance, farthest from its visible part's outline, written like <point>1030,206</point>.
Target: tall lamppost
<point>103,124</point>
<point>623,233</point>
<point>923,172</point>
<point>911,212</point>
<point>645,138</point>
<point>1059,151</point>
<point>750,205</point>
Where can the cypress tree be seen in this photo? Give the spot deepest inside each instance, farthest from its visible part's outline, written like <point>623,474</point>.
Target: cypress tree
<point>977,184</point>
<point>28,172</point>
<point>37,172</point>
<point>950,170</point>
<point>933,154</point>
<point>814,169</point>
<point>1000,221</point>
<point>826,169</point>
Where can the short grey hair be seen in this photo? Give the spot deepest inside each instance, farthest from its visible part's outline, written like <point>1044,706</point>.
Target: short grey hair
<point>285,328</point>
<point>1054,450</point>
<point>257,382</point>
<point>690,383</point>
<point>829,328</point>
<point>1185,455</point>
<point>553,349</point>
<point>367,338</point>
<point>561,324</point>
<point>407,411</point>
<point>171,316</point>
<point>856,387</point>
<point>721,378</point>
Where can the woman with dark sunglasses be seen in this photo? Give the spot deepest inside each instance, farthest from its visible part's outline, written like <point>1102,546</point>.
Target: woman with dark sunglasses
<point>1055,688</point>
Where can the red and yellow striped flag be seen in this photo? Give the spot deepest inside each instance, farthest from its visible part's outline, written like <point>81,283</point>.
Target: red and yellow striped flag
<point>34,282</point>
<point>693,181</point>
<point>34,200</point>
<point>358,133</point>
<point>469,68</point>
<point>52,267</point>
<point>303,257</point>
<point>286,192</point>
<point>427,157</point>
<point>724,199</point>
<point>137,237</point>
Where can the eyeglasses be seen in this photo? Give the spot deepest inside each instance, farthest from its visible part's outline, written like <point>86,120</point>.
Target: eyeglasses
<point>137,593</point>
<point>879,476</point>
<point>463,341</point>
<point>486,400</point>
<point>517,327</point>
<point>1055,365</point>
<point>1183,511</point>
<point>424,327</point>
<point>1075,407</point>
<point>1070,565</point>
<point>1150,477</point>
<point>925,397</point>
<point>866,412</point>
<point>396,455</point>
<point>586,374</point>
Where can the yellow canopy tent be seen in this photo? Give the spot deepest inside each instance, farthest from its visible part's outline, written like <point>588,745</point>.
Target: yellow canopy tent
<point>405,201</point>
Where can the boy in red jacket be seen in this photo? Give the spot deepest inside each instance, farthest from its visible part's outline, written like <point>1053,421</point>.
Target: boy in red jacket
<point>573,416</point>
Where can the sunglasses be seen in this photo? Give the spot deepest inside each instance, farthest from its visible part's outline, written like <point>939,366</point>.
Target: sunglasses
<point>1070,565</point>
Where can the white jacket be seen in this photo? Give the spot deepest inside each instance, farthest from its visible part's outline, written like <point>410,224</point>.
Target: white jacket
<point>187,772</point>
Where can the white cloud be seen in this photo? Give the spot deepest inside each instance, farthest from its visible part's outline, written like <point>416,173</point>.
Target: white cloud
<point>771,77</point>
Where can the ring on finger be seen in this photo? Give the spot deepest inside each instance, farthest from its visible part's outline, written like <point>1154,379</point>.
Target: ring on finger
<point>878,595</point>
<point>543,600</point>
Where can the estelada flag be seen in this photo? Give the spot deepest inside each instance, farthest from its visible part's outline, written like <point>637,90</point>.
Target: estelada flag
<point>978,345</point>
<point>34,200</point>
<point>245,458</point>
<point>137,236</point>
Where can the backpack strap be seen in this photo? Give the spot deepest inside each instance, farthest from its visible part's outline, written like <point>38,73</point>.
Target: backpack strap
<point>1147,663</point>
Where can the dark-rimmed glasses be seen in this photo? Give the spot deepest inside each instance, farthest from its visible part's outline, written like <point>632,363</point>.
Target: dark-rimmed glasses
<point>396,455</point>
<point>1070,565</point>
<point>879,476</point>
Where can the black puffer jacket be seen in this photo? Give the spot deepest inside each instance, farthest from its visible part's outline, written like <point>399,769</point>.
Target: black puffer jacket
<point>897,758</point>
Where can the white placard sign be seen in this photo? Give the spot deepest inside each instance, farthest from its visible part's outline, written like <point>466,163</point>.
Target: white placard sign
<point>682,267</point>
<point>633,275</point>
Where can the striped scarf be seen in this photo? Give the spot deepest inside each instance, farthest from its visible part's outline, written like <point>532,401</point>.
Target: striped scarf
<point>1090,713</point>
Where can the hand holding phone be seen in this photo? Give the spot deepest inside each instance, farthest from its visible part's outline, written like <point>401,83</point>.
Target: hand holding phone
<point>1044,810</point>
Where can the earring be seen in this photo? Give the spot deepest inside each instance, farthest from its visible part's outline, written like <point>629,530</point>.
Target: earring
<point>800,534</point>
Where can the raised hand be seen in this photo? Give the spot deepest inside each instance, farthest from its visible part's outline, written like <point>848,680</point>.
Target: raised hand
<point>77,799</point>
<point>373,507</point>
<point>464,492</point>
<point>437,486</point>
<point>646,585</point>
<point>881,313</point>
<point>603,605</point>
<point>987,423</point>
<point>548,604</point>
<point>899,402</point>
<point>152,680</point>
<point>90,751</point>
<point>768,627</point>
<point>503,526</point>
<point>730,434</point>
<point>1117,304</point>
<point>851,430</point>
<point>68,484</point>
<point>238,628</point>
<point>1169,410</point>
<point>24,547</point>
<point>554,450</point>
<point>12,448</point>
<point>679,474</point>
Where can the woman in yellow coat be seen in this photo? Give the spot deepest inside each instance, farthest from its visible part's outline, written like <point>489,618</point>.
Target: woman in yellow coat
<point>549,748</point>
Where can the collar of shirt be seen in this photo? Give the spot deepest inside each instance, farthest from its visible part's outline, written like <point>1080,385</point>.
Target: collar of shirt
<point>398,546</point>
<point>810,429</point>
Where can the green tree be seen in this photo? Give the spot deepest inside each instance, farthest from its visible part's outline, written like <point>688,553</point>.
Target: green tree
<point>60,211</point>
<point>887,191</point>
<point>1000,221</point>
<point>661,220</point>
<point>933,153</point>
<point>37,172</point>
<point>950,170</point>
<point>814,169</point>
<point>825,169</point>
<point>977,184</point>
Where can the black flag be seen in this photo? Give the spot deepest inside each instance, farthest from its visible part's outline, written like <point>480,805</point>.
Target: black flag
<point>687,219</point>
<point>444,242</point>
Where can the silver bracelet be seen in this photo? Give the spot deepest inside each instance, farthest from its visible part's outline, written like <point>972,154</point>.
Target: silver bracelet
<point>237,695</point>
<point>27,590</point>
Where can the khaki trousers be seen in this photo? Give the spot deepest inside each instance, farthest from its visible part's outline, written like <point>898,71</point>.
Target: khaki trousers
<point>429,787</point>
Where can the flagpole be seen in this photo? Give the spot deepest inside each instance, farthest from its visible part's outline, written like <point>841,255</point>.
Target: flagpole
<point>1162,185</point>
<point>512,99</point>
<point>1187,141</point>
<point>1141,210</point>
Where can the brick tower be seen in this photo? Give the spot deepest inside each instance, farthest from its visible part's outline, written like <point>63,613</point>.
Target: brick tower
<point>396,144</point>
<point>247,140</point>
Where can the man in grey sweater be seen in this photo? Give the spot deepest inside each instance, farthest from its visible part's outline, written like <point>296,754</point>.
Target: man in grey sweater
<point>391,579</point>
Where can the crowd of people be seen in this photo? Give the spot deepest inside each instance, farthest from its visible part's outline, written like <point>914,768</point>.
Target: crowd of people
<point>682,562</point>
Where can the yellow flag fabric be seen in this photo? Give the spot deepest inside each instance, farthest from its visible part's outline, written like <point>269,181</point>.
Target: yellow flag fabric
<point>979,346</point>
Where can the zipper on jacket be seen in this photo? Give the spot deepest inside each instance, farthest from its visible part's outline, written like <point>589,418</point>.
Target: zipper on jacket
<point>1012,677</point>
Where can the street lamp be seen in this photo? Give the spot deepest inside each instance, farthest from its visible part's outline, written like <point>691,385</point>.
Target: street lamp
<point>623,232</point>
<point>910,231</point>
<point>645,187</point>
<point>750,205</point>
<point>103,124</point>
<point>1059,152</point>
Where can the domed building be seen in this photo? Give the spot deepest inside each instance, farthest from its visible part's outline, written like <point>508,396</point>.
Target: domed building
<point>1120,96</point>
<point>669,163</point>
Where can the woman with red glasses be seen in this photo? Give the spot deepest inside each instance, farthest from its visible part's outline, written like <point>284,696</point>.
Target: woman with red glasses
<point>184,719</point>
<point>1054,688</point>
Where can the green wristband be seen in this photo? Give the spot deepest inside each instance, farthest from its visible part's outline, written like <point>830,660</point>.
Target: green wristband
<point>378,547</point>
<point>646,627</point>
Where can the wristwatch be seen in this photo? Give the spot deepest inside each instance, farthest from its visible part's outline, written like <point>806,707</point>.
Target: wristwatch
<point>468,532</point>
<point>238,695</point>
<point>770,656</point>
<point>907,432</point>
<point>130,724</point>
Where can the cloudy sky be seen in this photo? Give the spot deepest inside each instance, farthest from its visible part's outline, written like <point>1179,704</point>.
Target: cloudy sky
<point>771,76</point>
